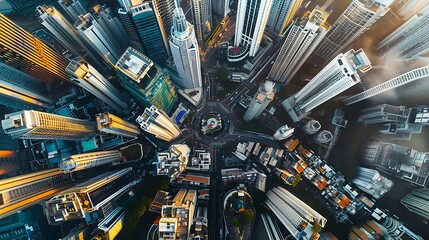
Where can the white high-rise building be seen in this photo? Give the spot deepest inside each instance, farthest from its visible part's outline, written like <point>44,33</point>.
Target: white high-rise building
<point>299,218</point>
<point>41,125</point>
<point>260,101</point>
<point>83,161</point>
<point>417,202</point>
<point>411,7</point>
<point>99,38</point>
<point>353,22</point>
<point>252,16</point>
<point>221,7</point>
<point>92,200</point>
<point>91,80</point>
<point>20,90</point>
<point>337,76</point>
<point>111,124</point>
<point>281,14</point>
<point>409,40</point>
<point>322,137</point>
<point>156,122</point>
<point>301,40</point>
<point>184,48</point>
<point>202,18</point>
<point>74,8</point>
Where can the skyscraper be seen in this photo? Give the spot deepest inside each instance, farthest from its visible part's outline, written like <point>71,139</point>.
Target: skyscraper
<point>127,22</point>
<point>299,218</point>
<point>83,161</point>
<point>92,200</point>
<point>23,51</point>
<point>301,40</point>
<point>337,76</point>
<point>202,18</point>
<point>281,14</point>
<point>73,8</point>
<point>156,122</point>
<point>252,16</point>
<point>146,81</point>
<point>26,7</point>
<point>40,125</point>
<point>91,80</point>
<point>22,191</point>
<point>109,22</point>
<point>411,7</point>
<point>221,7</point>
<point>99,38</point>
<point>355,20</point>
<point>397,121</point>
<point>402,162</point>
<point>409,40</point>
<point>417,202</point>
<point>260,101</point>
<point>149,26</point>
<point>165,9</point>
<point>22,91</point>
<point>184,47</point>
<point>109,123</point>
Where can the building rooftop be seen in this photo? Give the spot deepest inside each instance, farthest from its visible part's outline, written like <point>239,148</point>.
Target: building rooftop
<point>134,64</point>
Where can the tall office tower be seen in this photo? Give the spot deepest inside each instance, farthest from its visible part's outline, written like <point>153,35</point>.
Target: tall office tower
<point>371,182</point>
<point>221,7</point>
<point>283,132</point>
<point>99,38</point>
<point>156,122</point>
<point>109,123</point>
<point>299,218</point>
<point>322,137</point>
<point>177,218</point>
<point>260,101</point>
<point>184,47</point>
<point>20,91</point>
<point>65,32</point>
<point>397,121</point>
<point>173,161</point>
<point>252,16</point>
<point>40,125</point>
<point>202,18</point>
<point>83,161</point>
<point>337,76</point>
<point>92,200</point>
<point>127,22</point>
<point>25,52</point>
<point>281,14</point>
<point>146,81</point>
<point>411,7</point>
<point>91,80</point>
<point>399,161</point>
<point>10,162</point>
<point>409,40</point>
<point>354,21</point>
<point>165,9</point>
<point>22,191</point>
<point>301,40</point>
<point>73,8</point>
<point>383,113</point>
<point>311,127</point>
<point>417,202</point>
<point>104,16</point>
<point>150,29</point>
<point>26,7</point>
